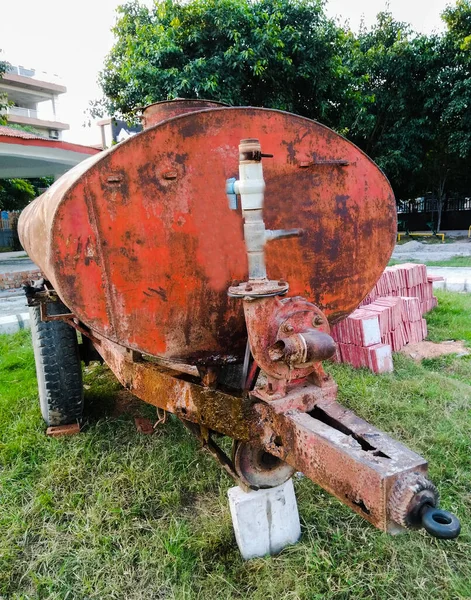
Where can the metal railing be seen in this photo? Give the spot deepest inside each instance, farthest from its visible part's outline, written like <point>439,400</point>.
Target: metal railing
<point>23,112</point>
<point>429,205</point>
<point>34,74</point>
<point>32,113</point>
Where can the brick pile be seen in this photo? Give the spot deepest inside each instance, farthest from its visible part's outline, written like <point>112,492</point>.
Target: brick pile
<point>10,281</point>
<point>390,317</point>
<point>407,280</point>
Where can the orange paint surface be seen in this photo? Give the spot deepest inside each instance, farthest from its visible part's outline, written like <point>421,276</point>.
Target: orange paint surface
<point>146,260</point>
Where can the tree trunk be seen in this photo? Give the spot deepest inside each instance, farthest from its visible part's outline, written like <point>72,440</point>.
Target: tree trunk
<point>440,199</point>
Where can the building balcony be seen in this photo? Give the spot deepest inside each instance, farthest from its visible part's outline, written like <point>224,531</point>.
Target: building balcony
<point>33,80</point>
<point>35,118</point>
<point>20,111</point>
<point>33,73</point>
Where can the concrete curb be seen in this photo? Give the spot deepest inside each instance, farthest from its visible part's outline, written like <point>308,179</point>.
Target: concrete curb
<point>453,286</point>
<point>14,323</point>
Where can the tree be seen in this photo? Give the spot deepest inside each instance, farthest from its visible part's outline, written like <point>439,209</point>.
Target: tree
<point>15,194</point>
<point>448,108</point>
<point>402,97</point>
<point>458,20</point>
<point>283,54</point>
<point>3,99</point>
<point>389,66</point>
<point>413,116</point>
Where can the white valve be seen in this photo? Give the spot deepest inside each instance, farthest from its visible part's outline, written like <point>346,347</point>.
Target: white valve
<point>251,187</point>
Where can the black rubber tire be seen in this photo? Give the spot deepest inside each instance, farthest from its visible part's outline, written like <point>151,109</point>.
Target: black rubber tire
<point>58,367</point>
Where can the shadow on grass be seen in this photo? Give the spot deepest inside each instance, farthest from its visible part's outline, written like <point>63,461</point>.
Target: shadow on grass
<point>105,398</point>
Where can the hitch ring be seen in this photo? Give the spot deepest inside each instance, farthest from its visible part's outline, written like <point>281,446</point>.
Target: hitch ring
<point>440,523</point>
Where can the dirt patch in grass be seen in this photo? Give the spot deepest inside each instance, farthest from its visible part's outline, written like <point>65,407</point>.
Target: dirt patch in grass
<point>126,404</point>
<point>424,349</point>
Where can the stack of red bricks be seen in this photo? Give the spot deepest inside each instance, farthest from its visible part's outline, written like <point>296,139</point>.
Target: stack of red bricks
<point>390,317</point>
<point>407,280</point>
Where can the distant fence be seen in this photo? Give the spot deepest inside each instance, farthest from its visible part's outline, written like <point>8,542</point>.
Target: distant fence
<point>8,221</point>
<point>456,213</point>
<point>429,205</point>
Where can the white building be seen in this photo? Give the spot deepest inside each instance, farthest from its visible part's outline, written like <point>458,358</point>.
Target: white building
<point>114,131</point>
<point>35,101</point>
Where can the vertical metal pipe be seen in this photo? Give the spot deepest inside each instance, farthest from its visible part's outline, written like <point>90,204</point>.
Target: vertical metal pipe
<point>251,187</point>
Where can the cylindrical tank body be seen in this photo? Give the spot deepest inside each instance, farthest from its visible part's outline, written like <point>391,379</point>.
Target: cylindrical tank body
<point>140,243</point>
<point>161,111</point>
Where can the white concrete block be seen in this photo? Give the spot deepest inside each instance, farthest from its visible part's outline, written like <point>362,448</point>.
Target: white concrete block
<point>14,323</point>
<point>370,331</point>
<point>382,361</point>
<point>265,521</point>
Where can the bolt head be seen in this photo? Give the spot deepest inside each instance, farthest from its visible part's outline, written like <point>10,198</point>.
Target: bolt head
<point>170,175</point>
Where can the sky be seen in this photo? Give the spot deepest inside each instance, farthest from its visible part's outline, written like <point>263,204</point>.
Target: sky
<point>71,38</point>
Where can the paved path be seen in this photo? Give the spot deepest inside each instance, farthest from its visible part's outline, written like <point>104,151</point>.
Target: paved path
<point>457,279</point>
<point>8,255</point>
<point>13,262</point>
<point>420,252</point>
<point>12,302</point>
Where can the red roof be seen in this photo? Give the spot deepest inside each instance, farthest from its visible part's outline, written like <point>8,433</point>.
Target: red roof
<point>22,137</point>
<point>13,132</point>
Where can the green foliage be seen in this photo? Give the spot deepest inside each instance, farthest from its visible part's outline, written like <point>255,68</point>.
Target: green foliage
<point>28,129</point>
<point>456,81</point>
<point>415,117</point>
<point>15,194</point>
<point>282,54</point>
<point>452,319</point>
<point>3,99</point>
<point>402,97</point>
<point>457,261</point>
<point>389,123</point>
<point>458,20</point>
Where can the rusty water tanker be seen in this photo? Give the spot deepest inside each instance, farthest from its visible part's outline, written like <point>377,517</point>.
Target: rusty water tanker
<point>218,242</point>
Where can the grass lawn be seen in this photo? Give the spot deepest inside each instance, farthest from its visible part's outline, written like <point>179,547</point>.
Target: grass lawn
<point>112,514</point>
<point>458,261</point>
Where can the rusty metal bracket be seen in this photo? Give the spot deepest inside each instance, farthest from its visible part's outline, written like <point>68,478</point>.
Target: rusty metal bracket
<point>46,317</point>
<point>216,452</point>
<point>306,428</point>
<point>40,295</point>
<point>45,294</point>
<point>324,163</point>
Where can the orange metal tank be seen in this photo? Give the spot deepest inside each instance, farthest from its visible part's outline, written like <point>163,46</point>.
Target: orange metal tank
<point>161,111</point>
<point>140,243</point>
